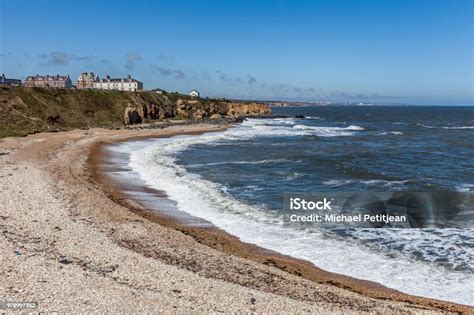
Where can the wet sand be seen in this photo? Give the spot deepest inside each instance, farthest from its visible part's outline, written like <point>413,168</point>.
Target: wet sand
<point>73,242</point>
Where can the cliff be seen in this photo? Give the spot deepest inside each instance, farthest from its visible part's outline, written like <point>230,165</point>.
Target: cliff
<point>30,110</point>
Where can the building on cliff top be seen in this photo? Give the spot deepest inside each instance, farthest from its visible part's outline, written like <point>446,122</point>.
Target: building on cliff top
<point>12,82</point>
<point>194,93</point>
<point>119,84</point>
<point>49,81</point>
<point>86,80</point>
<point>158,91</point>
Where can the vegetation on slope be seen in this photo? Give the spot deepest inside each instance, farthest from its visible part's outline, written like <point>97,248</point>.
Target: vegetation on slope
<point>29,110</point>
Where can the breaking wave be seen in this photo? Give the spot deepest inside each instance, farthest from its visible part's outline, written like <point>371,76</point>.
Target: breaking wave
<point>156,165</point>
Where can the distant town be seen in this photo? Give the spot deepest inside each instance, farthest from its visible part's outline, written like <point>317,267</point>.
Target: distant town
<point>86,81</point>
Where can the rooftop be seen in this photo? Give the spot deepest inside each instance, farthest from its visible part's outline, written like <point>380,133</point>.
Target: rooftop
<point>127,79</point>
<point>47,77</point>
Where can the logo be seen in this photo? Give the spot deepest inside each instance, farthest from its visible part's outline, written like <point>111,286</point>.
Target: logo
<point>303,204</point>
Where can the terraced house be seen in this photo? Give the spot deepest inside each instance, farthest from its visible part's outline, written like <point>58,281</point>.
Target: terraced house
<point>86,80</point>
<point>49,81</point>
<point>7,81</point>
<point>119,84</point>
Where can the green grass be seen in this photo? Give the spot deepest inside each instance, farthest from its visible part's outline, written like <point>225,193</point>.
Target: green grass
<point>24,111</point>
<point>28,110</point>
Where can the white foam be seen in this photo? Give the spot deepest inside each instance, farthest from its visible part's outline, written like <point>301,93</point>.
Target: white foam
<point>210,201</point>
<point>270,161</point>
<point>426,126</point>
<point>446,127</point>
<point>464,187</point>
<point>287,121</point>
<point>461,127</point>
<point>391,133</point>
<point>371,182</point>
<point>338,182</point>
<point>354,127</point>
<point>385,183</point>
<point>328,131</point>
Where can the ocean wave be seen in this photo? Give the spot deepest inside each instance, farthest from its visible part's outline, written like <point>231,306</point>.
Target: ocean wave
<point>385,183</point>
<point>245,162</point>
<point>445,127</point>
<point>399,123</point>
<point>461,127</point>
<point>268,122</point>
<point>156,165</point>
<point>287,121</point>
<point>426,126</point>
<point>287,127</point>
<point>422,244</point>
<point>391,133</point>
<point>339,182</point>
<point>465,188</point>
<point>371,182</point>
<point>351,127</point>
<point>328,131</point>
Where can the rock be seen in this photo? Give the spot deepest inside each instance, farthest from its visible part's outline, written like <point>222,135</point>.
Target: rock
<point>153,111</point>
<point>64,260</point>
<point>200,113</point>
<point>131,116</point>
<point>144,106</point>
<point>56,119</point>
<point>300,116</point>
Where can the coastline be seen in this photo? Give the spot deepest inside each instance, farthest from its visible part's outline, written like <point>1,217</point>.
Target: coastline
<point>211,255</point>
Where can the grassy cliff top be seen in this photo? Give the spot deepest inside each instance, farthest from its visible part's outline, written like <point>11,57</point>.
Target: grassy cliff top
<point>28,110</point>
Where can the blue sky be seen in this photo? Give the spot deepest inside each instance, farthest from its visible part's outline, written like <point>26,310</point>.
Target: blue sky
<point>404,51</point>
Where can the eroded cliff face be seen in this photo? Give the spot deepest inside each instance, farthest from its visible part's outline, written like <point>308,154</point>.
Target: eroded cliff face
<point>199,109</point>
<point>29,110</point>
<point>141,108</point>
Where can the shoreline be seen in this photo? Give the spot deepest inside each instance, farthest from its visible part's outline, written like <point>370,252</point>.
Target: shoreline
<point>66,235</point>
<point>221,240</point>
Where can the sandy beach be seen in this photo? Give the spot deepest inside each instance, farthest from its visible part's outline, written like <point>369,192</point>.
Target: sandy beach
<point>71,242</point>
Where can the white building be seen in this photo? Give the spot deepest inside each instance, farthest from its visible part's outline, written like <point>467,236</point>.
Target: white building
<point>120,84</point>
<point>194,93</point>
<point>158,91</point>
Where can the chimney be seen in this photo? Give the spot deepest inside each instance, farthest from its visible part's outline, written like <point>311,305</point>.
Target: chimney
<point>129,77</point>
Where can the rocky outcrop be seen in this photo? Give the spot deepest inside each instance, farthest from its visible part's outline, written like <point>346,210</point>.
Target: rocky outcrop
<point>131,116</point>
<point>202,109</point>
<point>30,110</point>
<point>148,106</point>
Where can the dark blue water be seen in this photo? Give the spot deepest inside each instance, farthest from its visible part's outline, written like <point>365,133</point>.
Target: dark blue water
<point>237,180</point>
<point>396,148</point>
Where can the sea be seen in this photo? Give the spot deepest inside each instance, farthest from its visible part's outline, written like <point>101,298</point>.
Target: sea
<point>237,179</point>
